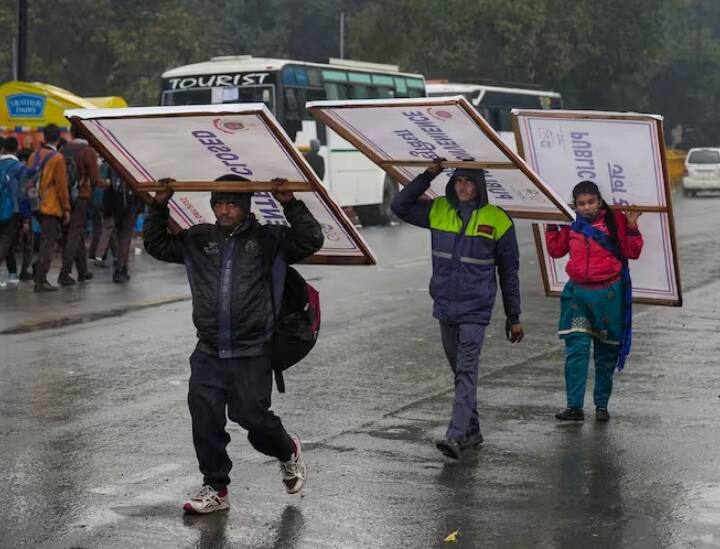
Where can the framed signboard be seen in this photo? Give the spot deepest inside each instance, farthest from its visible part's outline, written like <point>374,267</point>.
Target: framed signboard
<point>624,154</point>
<point>403,136</point>
<point>196,145</point>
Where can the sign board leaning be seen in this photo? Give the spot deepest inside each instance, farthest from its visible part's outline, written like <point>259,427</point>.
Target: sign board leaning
<point>403,136</point>
<point>197,145</point>
<point>623,154</point>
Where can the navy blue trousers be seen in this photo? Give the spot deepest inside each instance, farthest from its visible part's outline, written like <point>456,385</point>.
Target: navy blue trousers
<point>238,388</point>
<point>462,344</point>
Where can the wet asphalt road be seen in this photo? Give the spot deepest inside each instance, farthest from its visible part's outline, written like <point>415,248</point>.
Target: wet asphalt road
<point>95,437</point>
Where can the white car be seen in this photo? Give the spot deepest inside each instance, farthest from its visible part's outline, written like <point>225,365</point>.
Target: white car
<point>702,171</point>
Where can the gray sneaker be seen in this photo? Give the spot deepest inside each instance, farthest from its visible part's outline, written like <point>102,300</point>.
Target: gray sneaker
<point>294,471</point>
<point>207,500</point>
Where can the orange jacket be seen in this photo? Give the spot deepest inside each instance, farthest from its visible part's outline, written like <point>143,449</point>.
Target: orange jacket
<point>53,191</point>
<point>86,160</point>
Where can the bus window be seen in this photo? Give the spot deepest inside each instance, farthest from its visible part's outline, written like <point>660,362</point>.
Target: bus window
<point>384,93</point>
<point>219,95</point>
<point>335,91</point>
<point>297,98</point>
<point>358,78</point>
<point>312,95</point>
<point>295,76</point>
<point>484,112</point>
<point>335,76</point>
<point>358,91</point>
<point>381,80</point>
<point>505,121</point>
<point>416,88</point>
<point>400,87</point>
<point>292,104</point>
<point>494,119</point>
<point>188,97</point>
<point>314,78</point>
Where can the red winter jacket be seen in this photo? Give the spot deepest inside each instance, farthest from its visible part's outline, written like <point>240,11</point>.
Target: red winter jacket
<point>589,262</point>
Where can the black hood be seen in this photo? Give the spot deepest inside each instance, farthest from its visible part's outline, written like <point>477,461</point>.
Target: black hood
<point>478,176</point>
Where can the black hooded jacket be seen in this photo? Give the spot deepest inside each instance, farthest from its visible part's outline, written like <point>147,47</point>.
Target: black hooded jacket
<point>228,275</point>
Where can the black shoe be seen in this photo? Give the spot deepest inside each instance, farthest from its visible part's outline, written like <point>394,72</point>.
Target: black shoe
<point>449,447</point>
<point>471,441</point>
<point>120,277</point>
<point>85,277</point>
<point>601,415</point>
<point>66,280</point>
<point>45,286</point>
<point>25,275</point>
<point>571,414</point>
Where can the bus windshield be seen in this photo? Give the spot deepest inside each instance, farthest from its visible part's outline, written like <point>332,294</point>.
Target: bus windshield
<point>226,94</point>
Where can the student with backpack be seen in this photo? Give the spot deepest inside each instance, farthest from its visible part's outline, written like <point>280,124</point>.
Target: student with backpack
<point>233,303</point>
<point>81,163</point>
<point>120,209</point>
<point>10,220</point>
<point>54,207</point>
<point>26,236</point>
<point>596,303</point>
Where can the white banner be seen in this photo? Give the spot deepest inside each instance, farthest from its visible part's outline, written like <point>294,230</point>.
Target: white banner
<point>403,136</point>
<point>624,155</point>
<point>197,145</point>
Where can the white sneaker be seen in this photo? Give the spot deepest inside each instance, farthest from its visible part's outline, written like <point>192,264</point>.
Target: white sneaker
<point>294,472</point>
<point>207,500</point>
<point>13,279</point>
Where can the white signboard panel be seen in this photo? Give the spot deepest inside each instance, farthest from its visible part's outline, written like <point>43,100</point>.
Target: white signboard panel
<point>197,145</point>
<point>403,136</point>
<point>624,155</point>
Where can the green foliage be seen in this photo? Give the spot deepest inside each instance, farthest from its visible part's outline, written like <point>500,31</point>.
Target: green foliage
<point>646,55</point>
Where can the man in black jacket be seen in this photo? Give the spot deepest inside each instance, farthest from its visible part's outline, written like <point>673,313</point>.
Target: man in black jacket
<point>233,314</point>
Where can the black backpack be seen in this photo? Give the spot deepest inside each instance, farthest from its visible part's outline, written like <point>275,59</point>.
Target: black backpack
<point>124,197</point>
<point>71,172</point>
<point>297,311</point>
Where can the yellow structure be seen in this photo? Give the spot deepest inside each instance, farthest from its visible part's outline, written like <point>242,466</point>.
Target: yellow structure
<point>676,165</point>
<point>109,102</point>
<point>26,107</point>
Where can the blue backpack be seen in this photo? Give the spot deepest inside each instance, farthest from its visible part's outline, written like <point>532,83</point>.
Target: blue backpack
<point>28,191</point>
<point>9,172</point>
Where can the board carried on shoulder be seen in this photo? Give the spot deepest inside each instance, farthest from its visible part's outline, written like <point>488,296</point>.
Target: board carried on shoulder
<point>404,136</point>
<point>198,144</point>
<point>624,154</point>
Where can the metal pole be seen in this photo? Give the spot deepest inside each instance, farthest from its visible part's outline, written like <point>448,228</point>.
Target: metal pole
<point>342,35</point>
<point>13,61</point>
<point>22,40</point>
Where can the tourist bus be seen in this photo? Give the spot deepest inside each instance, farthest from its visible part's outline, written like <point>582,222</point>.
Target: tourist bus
<point>285,86</point>
<point>494,103</point>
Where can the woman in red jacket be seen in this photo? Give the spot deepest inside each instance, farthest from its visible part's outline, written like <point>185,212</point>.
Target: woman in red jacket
<point>596,302</point>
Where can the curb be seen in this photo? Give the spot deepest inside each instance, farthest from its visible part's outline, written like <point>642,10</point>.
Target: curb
<point>83,318</point>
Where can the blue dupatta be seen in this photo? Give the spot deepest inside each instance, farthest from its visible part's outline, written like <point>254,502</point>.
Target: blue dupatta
<point>582,226</point>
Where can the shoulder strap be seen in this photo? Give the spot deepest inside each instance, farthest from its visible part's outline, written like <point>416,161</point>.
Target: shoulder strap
<point>44,160</point>
<point>275,268</point>
<point>581,226</point>
<point>274,265</point>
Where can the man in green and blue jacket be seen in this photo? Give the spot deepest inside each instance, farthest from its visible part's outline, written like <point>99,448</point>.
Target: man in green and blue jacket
<point>471,239</point>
